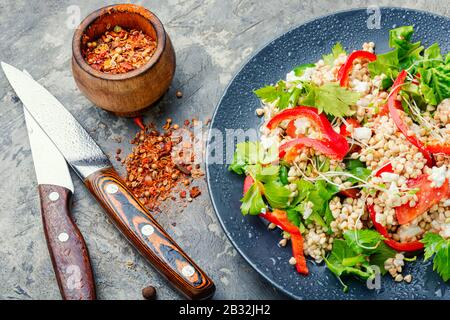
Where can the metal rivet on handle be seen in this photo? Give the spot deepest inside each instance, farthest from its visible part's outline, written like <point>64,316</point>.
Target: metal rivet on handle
<point>63,237</point>
<point>147,230</point>
<point>111,188</point>
<point>53,196</point>
<point>188,271</point>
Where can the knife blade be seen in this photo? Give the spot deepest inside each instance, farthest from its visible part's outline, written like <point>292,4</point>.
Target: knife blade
<point>90,163</point>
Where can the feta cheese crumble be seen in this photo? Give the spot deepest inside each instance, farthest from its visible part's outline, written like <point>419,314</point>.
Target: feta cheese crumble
<point>438,175</point>
<point>362,133</point>
<point>360,86</point>
<point>389,177</point>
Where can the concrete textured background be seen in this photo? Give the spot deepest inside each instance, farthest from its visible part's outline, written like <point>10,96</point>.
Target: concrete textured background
<point>212,38</point>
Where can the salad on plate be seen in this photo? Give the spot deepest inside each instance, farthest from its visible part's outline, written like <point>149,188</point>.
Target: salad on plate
<point>353,160</point>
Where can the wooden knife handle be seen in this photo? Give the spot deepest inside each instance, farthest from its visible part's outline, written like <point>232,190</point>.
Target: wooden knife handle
<point>68,251</point>
<point>145,233</point>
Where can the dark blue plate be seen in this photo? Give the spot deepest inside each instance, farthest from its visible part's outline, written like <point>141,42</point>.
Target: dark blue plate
<point>236,110</point>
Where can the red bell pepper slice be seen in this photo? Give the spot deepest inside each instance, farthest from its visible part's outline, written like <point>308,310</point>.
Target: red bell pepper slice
<point>297,252</point>
<point>427,197</point>
<point>291,129</point>
<point>438,148</point>
<point>337,141</point>
<point>385,168</point>
<point>384,110</point>
<point>350,193</point>
<point>399,246</point>
<point>346,68</point>
<point>290,149</point>
<point>319,121</point>
<point>351,121</point>
<point>401,125</point>
<point>279,217</point>
<point>248,182</point>
<point>331,144</point>
<point>394,107</point>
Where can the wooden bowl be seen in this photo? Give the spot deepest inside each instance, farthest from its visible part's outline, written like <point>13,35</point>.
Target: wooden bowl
<point>127,94</point>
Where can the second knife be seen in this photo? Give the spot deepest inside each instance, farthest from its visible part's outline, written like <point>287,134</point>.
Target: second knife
<point>68,251</point>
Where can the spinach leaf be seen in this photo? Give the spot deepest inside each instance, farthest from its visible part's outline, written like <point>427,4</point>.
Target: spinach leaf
<point>432,56</point>
<point>380,256</point>
<point>351,164</point>
<point>344,261</point>
<point>294,216</point>
<point>357,168</point>
<point>252,202</point>
<point>370,243</point>
<point>435,83</point>
<point>303,189</point>
<point>276,194</point>
<point>363,241</point>
<point>408,52</point>
<point>388,64</point>
<point>359,172</point>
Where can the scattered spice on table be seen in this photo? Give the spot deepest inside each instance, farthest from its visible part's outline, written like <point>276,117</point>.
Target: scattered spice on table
<point>195,192</point>
<point>160,164</point>
<point>118,152</point>
<point>139,122</point>
<point>179,94</point>
<point>119,50</point>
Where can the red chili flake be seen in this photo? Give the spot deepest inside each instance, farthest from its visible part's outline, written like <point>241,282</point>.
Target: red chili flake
<point>183,169</point>
<point>139,122</point>
<point>183,194</point>
<point>119,50</point>
<point>194,192</point>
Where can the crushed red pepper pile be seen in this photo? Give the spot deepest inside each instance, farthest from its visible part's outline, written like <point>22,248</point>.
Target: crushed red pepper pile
<point>154,169</point>
<point>119,50</point>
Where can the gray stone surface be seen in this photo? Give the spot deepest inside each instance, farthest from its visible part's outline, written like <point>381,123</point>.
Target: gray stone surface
<point>212,38</point>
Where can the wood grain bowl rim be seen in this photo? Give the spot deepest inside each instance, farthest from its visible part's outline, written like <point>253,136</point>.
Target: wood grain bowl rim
<point>123,8</point>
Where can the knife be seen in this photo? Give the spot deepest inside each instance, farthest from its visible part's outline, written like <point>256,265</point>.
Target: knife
<point>68,251</point>
<point>94,168</point>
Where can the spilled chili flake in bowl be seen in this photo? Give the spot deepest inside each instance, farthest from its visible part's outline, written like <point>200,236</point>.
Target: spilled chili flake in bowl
<point>119,50</point>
